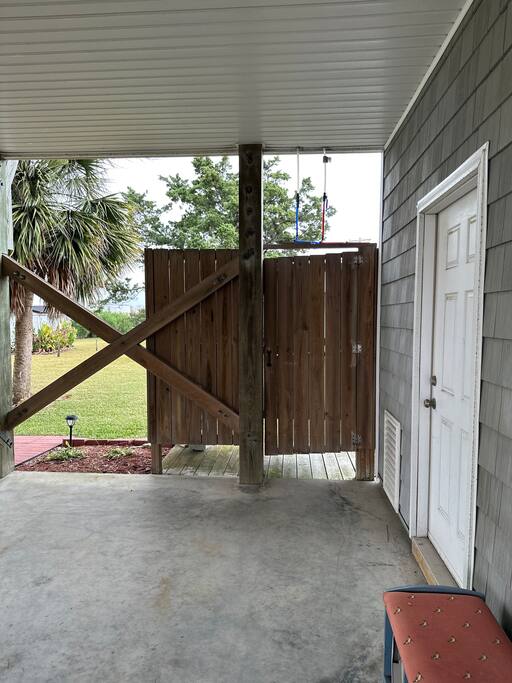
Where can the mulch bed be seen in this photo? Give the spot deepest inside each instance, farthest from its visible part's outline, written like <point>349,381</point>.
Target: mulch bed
<point>94,460</point>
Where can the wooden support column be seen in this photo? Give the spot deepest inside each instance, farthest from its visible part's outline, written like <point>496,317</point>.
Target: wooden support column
<point>251,314</point>
<point>7,169</point>
<point>156,458</point>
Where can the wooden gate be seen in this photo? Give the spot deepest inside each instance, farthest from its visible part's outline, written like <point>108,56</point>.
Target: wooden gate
<point>318,351</point>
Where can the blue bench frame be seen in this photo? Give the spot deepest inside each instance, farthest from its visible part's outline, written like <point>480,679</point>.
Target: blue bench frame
<point>389,641</point>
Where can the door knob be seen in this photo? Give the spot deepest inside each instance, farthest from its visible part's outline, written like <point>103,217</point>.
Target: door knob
<point>430,403</point>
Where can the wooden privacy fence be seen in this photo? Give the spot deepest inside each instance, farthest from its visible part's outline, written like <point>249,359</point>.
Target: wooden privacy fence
<point>318,351</point>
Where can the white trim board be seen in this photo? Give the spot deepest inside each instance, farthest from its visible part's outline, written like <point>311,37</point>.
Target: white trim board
<point>470,175</point>
<point>430,70</point>
<point>377,323</point>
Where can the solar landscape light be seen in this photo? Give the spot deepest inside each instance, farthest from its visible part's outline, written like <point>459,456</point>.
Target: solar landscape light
<point>71,421</point>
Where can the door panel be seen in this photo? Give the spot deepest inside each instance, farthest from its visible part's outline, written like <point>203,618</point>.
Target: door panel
<point>454,368</point>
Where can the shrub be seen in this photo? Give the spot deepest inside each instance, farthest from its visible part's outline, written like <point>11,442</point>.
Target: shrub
<point>82,332</point>
<point>49,339</point>
<point>118,452</point>
<point>64,453</point>
<point>121,320</point>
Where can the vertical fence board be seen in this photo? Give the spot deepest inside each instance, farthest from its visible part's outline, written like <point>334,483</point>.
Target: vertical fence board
<point>316,277</point>
<point>301,303</point>
<point>177,350</point>
<point>208,377</point>
<point>365,400</point>
<point>150,344</point>
<point>333,323</point>
<point>348,360</point>
<point>235,384</point>
<point>270,356</point>
<point>223,317</point>
<point>161,344</point>
<point>193,344</point>
<point>285,345</point>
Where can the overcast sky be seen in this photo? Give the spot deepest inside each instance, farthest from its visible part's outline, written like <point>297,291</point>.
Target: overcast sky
<point>353,186</point>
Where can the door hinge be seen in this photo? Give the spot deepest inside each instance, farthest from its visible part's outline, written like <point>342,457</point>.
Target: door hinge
<point>357,347</point>
<point>5,437</point>
<point>357,439</point>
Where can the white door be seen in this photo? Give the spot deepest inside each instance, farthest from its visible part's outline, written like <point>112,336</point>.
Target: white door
<point>453,379</point>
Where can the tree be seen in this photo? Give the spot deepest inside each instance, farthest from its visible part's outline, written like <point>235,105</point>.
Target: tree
<point>118,292</point>
<point>68,232</point>
<point>144,214</point>
<point>208,208</point>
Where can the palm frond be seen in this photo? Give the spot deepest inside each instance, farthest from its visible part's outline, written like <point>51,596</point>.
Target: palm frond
<point>66,230</point>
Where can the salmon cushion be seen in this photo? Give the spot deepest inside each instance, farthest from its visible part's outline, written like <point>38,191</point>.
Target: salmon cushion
<point>443,637</point>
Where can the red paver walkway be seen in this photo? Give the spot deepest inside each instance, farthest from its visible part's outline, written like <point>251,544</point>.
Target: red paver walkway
<point>26,447</point>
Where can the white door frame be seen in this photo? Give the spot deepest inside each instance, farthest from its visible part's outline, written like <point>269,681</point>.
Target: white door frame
<point>472,174</point>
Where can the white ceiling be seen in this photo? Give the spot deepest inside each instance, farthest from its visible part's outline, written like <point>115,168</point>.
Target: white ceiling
<point>171,77</point>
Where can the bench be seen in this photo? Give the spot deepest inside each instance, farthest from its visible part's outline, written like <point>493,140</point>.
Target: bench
<point>435,634</point>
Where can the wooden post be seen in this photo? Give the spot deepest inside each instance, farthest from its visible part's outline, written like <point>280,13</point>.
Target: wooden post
<point>7,169</point>
<point>366,371</point>
<point>251,314</point>
<point>156,458</point>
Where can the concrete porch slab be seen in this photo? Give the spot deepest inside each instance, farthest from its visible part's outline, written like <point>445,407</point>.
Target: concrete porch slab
<point>143,578</point>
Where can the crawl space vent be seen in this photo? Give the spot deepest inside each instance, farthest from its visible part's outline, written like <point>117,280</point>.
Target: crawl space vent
<point>391,474</point>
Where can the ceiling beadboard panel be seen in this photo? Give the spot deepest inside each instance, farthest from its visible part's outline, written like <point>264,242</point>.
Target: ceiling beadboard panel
<point>171,77</point>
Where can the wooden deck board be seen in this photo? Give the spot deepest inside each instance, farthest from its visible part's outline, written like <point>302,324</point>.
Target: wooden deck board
<point>290,466</point>
<point>223,454</point>
<point>222,461</point>
<point>266,465</point>
<point>331,466</point>
<point>171,458</point>
<point>275,469</point>
<point>232,466</point>
<point>346,466</point>
<point>178,462</point>
<point>207,463</point>
<point>193,461</point>
<point>303,466</point>
<point>317,466</point>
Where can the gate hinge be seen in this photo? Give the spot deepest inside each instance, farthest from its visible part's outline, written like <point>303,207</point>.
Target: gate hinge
<point>356,439</point>
<point>4,436</point>
<point>357,347</point>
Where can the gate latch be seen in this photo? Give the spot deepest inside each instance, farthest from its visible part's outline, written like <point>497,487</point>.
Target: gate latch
<point>357,348</point>
<point>4,436</point>
<point>356,439</point>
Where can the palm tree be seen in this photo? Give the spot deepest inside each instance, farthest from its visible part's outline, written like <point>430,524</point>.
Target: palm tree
<point>68,232</point>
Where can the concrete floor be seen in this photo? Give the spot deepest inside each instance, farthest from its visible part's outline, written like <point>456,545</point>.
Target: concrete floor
<point>140,578</point>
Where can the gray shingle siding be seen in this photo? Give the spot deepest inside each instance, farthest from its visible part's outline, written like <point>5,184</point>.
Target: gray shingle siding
<point>467,102</point>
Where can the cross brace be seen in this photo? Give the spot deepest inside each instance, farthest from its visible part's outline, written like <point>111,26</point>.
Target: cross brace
<point>121,344</point>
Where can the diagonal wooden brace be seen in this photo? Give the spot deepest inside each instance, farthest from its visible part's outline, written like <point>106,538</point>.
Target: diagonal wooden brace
<point>121,344</point>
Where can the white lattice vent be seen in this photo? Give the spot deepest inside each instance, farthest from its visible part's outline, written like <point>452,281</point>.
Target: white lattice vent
<point>391,474</point>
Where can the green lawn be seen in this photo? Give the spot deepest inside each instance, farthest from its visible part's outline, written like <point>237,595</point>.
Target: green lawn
<point>110,404</point>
